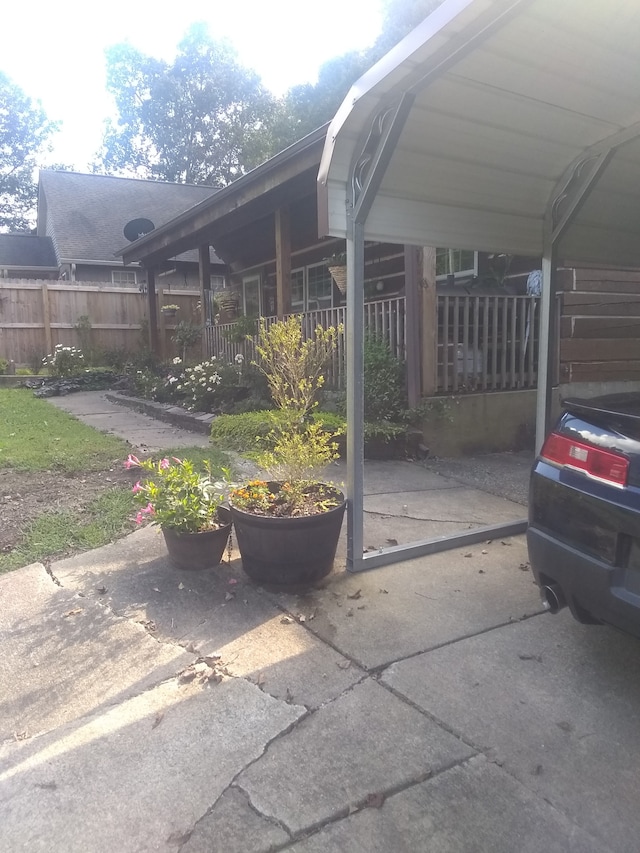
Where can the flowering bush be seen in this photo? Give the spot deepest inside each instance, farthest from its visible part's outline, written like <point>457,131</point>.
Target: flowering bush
<point>64,361</point>
<point>199,385</point>
<point>174,495</point>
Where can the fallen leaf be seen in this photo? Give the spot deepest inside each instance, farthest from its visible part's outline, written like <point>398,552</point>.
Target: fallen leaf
<point>181,585</point>
<point>229,596</point>
<point>484,551</point>
<point>524,567</point>
<point>350,611</point>
<point>101,590</point>
<point>73,612</point>
<point>374,801</point>
<point>289,697</point>
<point>214,676</point>
<point>344,664</point>
<point>565,726</point>
<point>481,571</point>
<point>302,617</point>
<point>286,620</point>
<point>384,591</point>
<point>261,679</point>
<point>21,735</point>
<point>469,554</point>
<point>502,542</point>
<point>155,589</point>
<point>212,660</point>
<point>187,675</point>
<point>531,657</point>
<point>356,594</point>
<point>392,541</point>
<point>362,607</point>
<point>158,720</point>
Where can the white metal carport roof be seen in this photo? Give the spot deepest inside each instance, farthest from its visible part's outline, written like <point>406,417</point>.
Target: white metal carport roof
<point>496,125</point>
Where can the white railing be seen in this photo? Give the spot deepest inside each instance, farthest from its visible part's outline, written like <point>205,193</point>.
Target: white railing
<point>487,343</point>
<point>484,343</point>
<point>385,317</point>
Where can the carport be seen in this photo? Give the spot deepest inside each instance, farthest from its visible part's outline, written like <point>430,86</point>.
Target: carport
<point>500,126</point>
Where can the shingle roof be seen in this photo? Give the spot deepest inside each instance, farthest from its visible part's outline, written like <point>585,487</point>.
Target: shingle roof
<point>27,251</point>
<point>86,214</point>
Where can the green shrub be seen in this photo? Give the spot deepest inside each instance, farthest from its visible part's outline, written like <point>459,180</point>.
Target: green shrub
<point>247,431</point>
<point>4,363</point>
<point>385,396</point>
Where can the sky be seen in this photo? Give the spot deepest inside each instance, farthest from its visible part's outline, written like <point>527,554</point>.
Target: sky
<point>55,50</point>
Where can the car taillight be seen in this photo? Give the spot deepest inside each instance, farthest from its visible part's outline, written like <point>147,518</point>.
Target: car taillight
<point>603,464</point>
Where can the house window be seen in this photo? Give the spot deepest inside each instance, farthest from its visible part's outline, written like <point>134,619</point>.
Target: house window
<point>218,282</point>
<point>458,262</point>
<point>311,288</point>
<point>127,278</point>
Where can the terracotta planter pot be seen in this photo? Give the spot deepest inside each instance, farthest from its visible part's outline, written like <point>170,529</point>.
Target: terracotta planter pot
<point>197,551</point>
<point>288,551</point>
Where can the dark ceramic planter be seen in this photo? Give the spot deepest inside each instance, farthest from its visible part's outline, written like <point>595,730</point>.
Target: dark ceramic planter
<point>197,551</point>
<point>288,551</point>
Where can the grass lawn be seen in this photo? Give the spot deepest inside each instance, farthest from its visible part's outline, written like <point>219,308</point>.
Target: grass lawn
<point>35,436</point>
<point>51,459</point>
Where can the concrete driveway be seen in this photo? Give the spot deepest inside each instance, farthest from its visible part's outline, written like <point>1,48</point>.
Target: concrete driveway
<point>426,706</point>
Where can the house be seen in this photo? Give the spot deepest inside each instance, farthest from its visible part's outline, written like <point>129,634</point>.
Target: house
<point>81,226</point>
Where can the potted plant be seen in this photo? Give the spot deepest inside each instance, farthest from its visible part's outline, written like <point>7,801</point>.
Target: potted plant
<point>170,310</point>
<point>288,524</point>
<point>337,265</point>
<point>187,505</point>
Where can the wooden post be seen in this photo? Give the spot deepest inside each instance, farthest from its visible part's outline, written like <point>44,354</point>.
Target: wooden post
<point>412,282</point>
<point>153,312</point>
<point>429,322</point>
<point>204,268</point>
<point>283,262</point>
<point>46,318</point>
<point>162,325</point>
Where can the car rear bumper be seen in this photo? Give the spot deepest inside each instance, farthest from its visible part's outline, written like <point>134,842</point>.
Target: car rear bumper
<point>590,586</point>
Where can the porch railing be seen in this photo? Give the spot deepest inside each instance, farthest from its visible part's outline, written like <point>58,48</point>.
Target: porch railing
<point>487,343</point>
<point>385,317</point>
<point>484,343</point>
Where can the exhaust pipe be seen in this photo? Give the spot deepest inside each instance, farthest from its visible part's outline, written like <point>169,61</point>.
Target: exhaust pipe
<point>553,598</point>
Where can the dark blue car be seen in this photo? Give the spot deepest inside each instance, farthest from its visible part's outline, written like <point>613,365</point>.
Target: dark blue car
<point>584,512</point>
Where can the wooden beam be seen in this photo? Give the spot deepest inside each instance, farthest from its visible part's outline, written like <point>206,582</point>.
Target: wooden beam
<point>153,312</point>
<point>204,268</point>
<point>429,322</point>
<point>283,261</point>
<point>412,281</point>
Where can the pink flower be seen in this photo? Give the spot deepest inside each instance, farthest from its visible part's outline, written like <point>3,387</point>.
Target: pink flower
<point>164,463</point>
<point>137,488</point>
<point>147,510</point>
<point>175,459</point>
<point>132,462</point>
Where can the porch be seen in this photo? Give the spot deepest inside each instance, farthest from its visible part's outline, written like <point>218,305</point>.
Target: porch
<point>482,343</point>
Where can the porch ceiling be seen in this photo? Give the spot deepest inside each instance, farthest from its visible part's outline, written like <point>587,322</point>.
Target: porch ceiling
<point>508,97</point>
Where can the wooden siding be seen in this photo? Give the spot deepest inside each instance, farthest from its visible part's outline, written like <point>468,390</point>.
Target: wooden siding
<point>600,325</point>
<point>37,315</point>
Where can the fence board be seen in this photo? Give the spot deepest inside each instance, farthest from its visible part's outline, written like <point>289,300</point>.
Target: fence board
<point>36,315</point>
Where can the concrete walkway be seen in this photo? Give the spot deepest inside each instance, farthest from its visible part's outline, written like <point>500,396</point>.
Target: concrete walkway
<point>426,706</point>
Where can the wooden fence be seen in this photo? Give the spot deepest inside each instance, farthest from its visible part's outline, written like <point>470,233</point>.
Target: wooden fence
<point>37,315</point>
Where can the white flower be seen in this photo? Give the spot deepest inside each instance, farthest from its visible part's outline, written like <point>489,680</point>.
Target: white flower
<point>239,358</point>
<point>177,360</point>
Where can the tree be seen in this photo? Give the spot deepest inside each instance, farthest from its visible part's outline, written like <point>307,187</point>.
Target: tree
<point>309,105</point>
<point>194,121</point>
<point>24,135</point>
